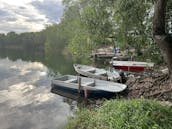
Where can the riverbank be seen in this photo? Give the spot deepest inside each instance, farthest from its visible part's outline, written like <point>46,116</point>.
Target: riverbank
<point>131,110</point>
<point>155,85</point>
<point>120,114</point>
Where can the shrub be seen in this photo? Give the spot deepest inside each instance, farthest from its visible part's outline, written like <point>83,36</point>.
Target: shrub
<point>124,114</point>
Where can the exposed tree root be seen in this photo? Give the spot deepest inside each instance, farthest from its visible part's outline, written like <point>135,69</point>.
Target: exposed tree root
<point>156,86</point>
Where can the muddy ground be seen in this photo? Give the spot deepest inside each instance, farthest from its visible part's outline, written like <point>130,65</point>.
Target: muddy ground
<point>153,84</point>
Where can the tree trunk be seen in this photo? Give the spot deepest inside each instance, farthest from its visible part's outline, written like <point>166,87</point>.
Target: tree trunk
<point>163,40</point>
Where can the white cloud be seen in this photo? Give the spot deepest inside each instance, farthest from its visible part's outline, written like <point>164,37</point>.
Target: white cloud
<point>52,9</point>
<point>28,15</point>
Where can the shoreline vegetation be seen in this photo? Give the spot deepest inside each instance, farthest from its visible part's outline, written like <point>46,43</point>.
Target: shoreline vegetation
<point>123,114</point>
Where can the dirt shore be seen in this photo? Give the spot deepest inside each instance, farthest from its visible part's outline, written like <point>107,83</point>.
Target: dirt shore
<point>156,85</point>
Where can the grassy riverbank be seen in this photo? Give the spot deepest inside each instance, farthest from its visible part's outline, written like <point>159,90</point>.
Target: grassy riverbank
<point>124,114</point>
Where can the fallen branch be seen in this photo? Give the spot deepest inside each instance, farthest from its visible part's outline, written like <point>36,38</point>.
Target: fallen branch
<point>159,93</point>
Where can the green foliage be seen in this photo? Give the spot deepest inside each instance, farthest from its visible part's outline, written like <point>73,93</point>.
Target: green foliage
<point>96,17</point>
<point>90,23</point>
<point>86,24</point>
<point>74,31</point>
<point>133,22</point>
<point>124,114</point>
<point>152,53</point>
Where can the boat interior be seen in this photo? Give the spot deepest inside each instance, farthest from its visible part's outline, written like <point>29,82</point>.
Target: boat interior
<point>96,72</point>
<point>91,70</point>
<point>73,79</point>
<point>89,84</point>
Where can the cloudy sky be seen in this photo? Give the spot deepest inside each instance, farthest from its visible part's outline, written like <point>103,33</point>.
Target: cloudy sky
<point>28,15</point>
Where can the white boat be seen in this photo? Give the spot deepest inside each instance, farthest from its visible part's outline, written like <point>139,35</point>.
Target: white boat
<point>95,88</point>
<point>131,66</point>
<point>93,72</point>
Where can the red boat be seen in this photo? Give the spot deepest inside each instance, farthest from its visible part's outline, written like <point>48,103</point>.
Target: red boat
<point>131,66</point>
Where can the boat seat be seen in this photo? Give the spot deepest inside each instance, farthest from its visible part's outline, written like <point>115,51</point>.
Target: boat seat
<point>71,80</point>
<point>101,73</point>
<point>89,70</point>
<point>89,84</point>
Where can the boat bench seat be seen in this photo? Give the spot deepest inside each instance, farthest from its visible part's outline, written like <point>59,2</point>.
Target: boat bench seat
<point>89,84</point>
<point>71,80</point>
<point>101,73</point>
<point>89,70</point>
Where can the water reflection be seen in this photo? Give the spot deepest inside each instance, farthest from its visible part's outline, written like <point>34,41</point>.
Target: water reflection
<point>55,61</point>
<point>26,101</point>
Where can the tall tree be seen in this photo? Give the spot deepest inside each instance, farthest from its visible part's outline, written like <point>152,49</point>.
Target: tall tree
<point>161,36</point>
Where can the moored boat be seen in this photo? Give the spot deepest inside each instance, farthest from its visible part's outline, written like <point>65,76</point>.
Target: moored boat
<point>87,87</point>
<point>131,66</point>
<point>93,72</point>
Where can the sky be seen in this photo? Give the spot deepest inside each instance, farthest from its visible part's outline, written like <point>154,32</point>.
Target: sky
<point>29,15</point>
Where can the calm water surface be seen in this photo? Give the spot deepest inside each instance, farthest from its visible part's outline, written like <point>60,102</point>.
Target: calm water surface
<point>25,98</point>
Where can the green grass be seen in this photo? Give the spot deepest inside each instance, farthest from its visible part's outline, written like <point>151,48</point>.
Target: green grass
<point>124,114</point>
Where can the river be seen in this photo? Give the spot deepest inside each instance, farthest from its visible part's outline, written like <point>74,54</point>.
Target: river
<point>26,101</point>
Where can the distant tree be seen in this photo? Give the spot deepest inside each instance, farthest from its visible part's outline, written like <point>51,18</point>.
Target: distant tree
<point>74,30</point>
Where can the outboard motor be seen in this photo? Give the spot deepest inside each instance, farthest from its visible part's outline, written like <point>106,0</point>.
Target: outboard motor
<point>123,77</point>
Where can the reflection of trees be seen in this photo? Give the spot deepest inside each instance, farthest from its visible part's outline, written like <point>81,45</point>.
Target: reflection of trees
<point>55,61</point>
<point>45,46</point>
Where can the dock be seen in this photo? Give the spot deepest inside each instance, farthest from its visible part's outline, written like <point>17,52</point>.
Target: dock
<point>102,53</point>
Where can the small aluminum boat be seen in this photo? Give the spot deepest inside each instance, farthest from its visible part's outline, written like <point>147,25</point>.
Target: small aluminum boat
<point>93,72</point>
<point>87,87</point>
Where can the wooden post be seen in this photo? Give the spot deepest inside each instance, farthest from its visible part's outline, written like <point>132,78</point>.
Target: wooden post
<point>79,86</point>
<point>85,93</point>
<point>85,96</point>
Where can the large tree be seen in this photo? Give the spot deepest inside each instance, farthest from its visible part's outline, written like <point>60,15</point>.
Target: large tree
<point>160,33</point>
